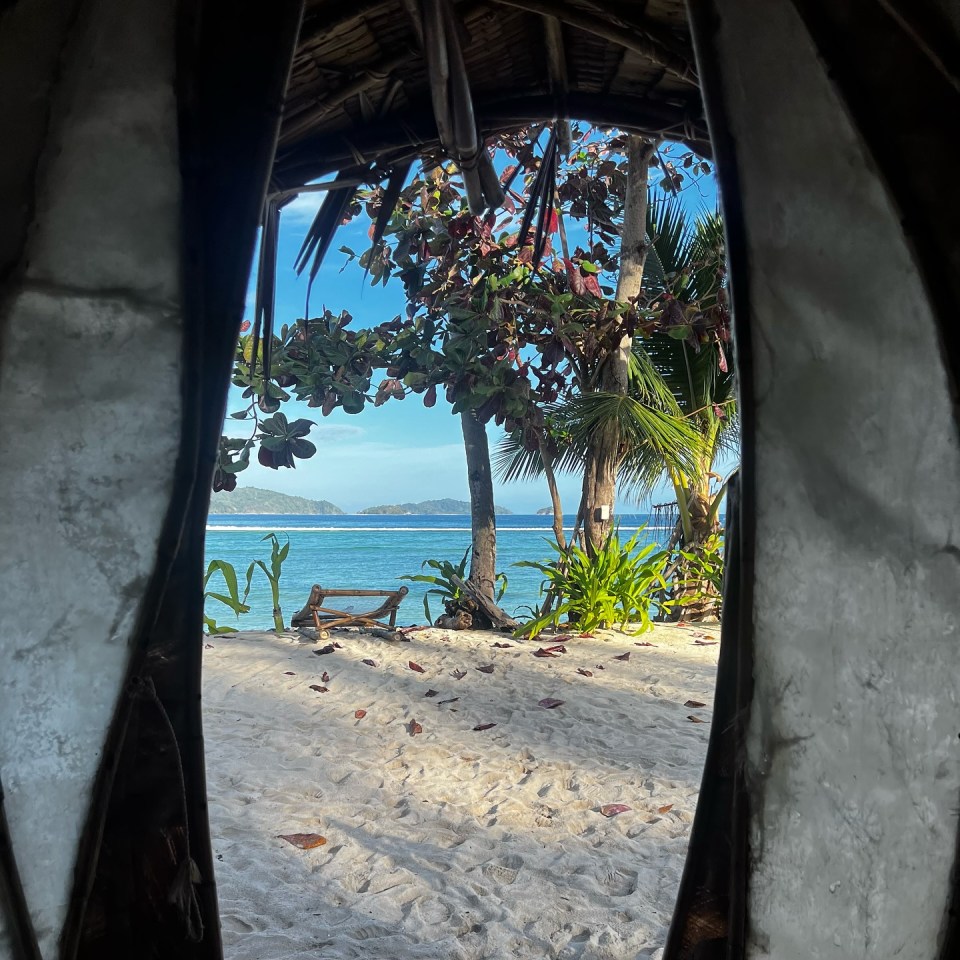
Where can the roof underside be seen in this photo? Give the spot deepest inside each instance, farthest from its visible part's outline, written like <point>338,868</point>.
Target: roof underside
<point>359,91</point>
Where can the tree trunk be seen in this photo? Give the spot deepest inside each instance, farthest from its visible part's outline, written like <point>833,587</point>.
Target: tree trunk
<point>603,454</point>
<point>483,556</point>
<point>547,460</point>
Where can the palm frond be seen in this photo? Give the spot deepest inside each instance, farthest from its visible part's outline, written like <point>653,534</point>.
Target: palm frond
<point>672,439</point>
<point>324,226</point>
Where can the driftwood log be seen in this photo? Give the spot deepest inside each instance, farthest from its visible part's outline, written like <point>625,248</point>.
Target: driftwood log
<point>485,608</point>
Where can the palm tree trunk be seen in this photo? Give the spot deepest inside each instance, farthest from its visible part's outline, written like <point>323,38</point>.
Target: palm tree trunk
<point>603,454</point>
<point>483,520</point>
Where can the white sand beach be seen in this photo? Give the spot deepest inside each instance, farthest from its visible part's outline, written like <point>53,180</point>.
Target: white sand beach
<point>451,842</point>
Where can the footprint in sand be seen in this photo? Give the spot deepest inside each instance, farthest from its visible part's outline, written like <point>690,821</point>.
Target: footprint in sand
<point>504,872</point>
<point>619,883</point>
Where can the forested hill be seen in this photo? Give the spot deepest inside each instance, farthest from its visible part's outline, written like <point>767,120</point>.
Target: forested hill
<point>428,507</point>
<point>257,500</point>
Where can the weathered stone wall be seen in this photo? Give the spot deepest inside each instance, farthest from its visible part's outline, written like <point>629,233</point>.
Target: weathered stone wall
<point>89,388</point>
<point>852,752</point>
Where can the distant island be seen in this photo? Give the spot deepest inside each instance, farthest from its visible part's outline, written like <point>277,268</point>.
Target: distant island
<point>257,500</point>
<point>433,507</point>
<point>545,511</point>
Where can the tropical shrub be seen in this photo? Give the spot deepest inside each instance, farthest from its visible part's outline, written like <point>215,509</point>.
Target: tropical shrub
<point>232,598</point>
<point>617,585</point>
<point>277,555</point>
<point>443,584</point>
<point>229,599</point>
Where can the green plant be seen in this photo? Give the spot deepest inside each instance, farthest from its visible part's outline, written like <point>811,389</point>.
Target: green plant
<point>230,599</point>
<point>616,585</point>
<point>277,555</point>
<point>444,585</point>
<point>696,579</point>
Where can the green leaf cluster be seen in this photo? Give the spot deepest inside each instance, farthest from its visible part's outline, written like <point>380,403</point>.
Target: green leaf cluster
<point>619,584</point>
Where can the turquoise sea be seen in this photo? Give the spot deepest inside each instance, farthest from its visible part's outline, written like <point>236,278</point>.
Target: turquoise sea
<point>371,552</point>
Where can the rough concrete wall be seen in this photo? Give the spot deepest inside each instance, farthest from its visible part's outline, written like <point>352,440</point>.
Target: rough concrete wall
<point>89,387</point>
<point>853,757</point>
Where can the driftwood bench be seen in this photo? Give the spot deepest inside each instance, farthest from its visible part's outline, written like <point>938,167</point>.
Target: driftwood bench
<point>325,618</point>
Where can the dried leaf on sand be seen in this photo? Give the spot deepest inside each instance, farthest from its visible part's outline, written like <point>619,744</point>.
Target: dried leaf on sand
<point>304,841</point>
<point>612,809</point>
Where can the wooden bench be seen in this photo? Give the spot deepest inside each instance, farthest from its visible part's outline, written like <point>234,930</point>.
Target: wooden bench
<point>325,618</point>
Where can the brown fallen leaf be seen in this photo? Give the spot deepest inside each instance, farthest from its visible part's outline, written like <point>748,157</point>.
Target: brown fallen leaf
<point>540,652</point>
<point>694,719</point>
<point>548,703</point>
<point>681,623</point>
<point>560,637</point>
<point>289,673</point>
<point>319,689</point>
<point>623,656</point>
<point>612,809</point>
<point>666,808</point>
<point>325,677</point>
<point>329,648</point>
<point>305,841</point>
<point>600,666</point>
<point>644,643</point>
<point>694,704</point>
<point>585,673</point>
<point>486,668</point>
<point>359,714</point>
<point>431,693</point>
<point>336,645</point>
<point>414,728</point>
<point>440,703</point>
<point>208,646</point>
<point>458,674</point>
<point>586,636</point>
<point>369,662</point>
<point>557,648</point>
<point>415,667</point>
<point>484,726</point>
<point>503,646</point>
<point>413,629</point>
<point>705,643</point>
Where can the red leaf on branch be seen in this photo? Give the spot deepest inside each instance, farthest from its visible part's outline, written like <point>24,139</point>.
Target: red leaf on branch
<point>592,285</point>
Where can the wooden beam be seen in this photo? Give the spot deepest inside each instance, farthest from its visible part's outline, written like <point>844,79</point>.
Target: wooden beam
<point>632,35</point>
<point>414,133</point>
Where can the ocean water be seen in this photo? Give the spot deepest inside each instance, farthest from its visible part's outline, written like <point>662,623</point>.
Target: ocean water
<point>372,552</point>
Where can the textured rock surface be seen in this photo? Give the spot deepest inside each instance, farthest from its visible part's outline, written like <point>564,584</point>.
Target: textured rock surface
<point>91,333</point>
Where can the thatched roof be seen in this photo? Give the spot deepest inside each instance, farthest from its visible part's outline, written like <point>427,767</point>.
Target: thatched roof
<point>359,90</point>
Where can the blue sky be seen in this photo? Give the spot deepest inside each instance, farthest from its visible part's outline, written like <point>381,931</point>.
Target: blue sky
<point>400,451</point>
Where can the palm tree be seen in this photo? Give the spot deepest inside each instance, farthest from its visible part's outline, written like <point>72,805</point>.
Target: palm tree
<point>680,414</point>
